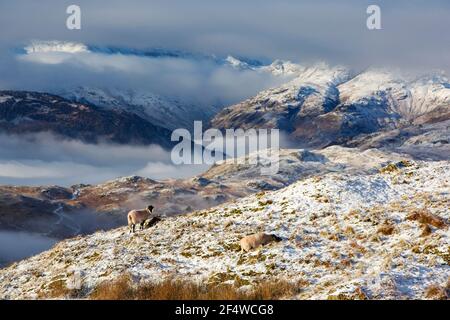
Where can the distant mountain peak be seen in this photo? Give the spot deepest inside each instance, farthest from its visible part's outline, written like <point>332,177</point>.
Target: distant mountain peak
<point>38,46</point>
<point>236,63</point>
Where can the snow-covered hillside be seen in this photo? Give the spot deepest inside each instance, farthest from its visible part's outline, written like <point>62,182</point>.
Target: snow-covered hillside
<point>378,234</point>
<point>326,105</point>
<point>103,206</point>
<point>406,96</point>
<point>166,112</point>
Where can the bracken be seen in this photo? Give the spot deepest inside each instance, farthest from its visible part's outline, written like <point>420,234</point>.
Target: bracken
<point>172,289</point>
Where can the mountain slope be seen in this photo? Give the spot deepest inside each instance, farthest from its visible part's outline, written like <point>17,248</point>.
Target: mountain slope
<point>325,105</point>
<point>313,90</point>
<point>377,234</point>
<point>158,110</point>
<point>65,212</point>
<point>23,112</point>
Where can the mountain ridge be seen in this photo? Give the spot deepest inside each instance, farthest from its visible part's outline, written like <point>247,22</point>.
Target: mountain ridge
<point>330,105</point>
<point>23,112</point>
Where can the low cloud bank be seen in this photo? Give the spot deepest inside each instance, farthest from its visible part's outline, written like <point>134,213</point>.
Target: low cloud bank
<point>43,159</point>
<point>202,80</point>
<point>19,245</point>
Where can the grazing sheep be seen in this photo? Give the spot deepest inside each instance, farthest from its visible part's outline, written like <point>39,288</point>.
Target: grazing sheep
<point>153,221</point>
<point>255,240</point>
<point>138,216</point>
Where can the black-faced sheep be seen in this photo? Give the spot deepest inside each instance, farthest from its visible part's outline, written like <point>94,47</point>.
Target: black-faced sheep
<point>138,217</point>
<point>255,240</point>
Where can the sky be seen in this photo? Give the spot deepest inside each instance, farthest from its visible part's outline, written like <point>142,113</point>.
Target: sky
<point>414,36</point>
<point>413,32</point>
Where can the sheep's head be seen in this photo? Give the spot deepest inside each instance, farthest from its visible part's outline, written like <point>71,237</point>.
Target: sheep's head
<point>150,208</point>
<point>276,238</point>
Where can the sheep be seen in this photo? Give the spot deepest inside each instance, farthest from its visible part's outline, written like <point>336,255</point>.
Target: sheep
<point>153,221</point>
<point>255,240</point>
<point>138,216</point>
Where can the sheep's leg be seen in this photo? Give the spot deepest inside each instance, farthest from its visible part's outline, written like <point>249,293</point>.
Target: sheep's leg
<point>132,228</point>
<point>142,225</point>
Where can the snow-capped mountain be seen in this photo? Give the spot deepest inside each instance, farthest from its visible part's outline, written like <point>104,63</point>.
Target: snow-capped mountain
<point>25,112</point>
<point>276,68</point>
<point>318,105</point>
<point>409,98</point>
<point>326,105</point>
<point>238,64</point>
<point>280,67</point>
<point>171,112</point>
<point>55,46</point>
<point>46,46</point>
<point>165,112</point>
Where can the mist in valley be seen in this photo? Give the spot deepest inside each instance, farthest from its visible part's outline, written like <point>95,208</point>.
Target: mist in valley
<point>18,245</point>
<point>43,159</point>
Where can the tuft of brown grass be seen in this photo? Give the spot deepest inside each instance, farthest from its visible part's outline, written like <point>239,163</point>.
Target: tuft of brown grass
<point>447,289</point>
<point>392,167</point>
<point>59,289</point>
<point>436,292</point>
<point>426,230</point>
<point>358,294</point>
<point>265,203</point>
<point>386,229</point>
<point>175,289</point>
<point>357,247</point>
<point>425,217</point>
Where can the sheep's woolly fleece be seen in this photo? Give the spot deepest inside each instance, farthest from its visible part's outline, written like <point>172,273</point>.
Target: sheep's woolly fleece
<point>382,235</point>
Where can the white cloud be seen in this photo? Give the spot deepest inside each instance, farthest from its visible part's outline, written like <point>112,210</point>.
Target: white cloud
<point>191,79</point>
<point>159,170</point>
<point>42,159</point>
<point>287,29</point>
